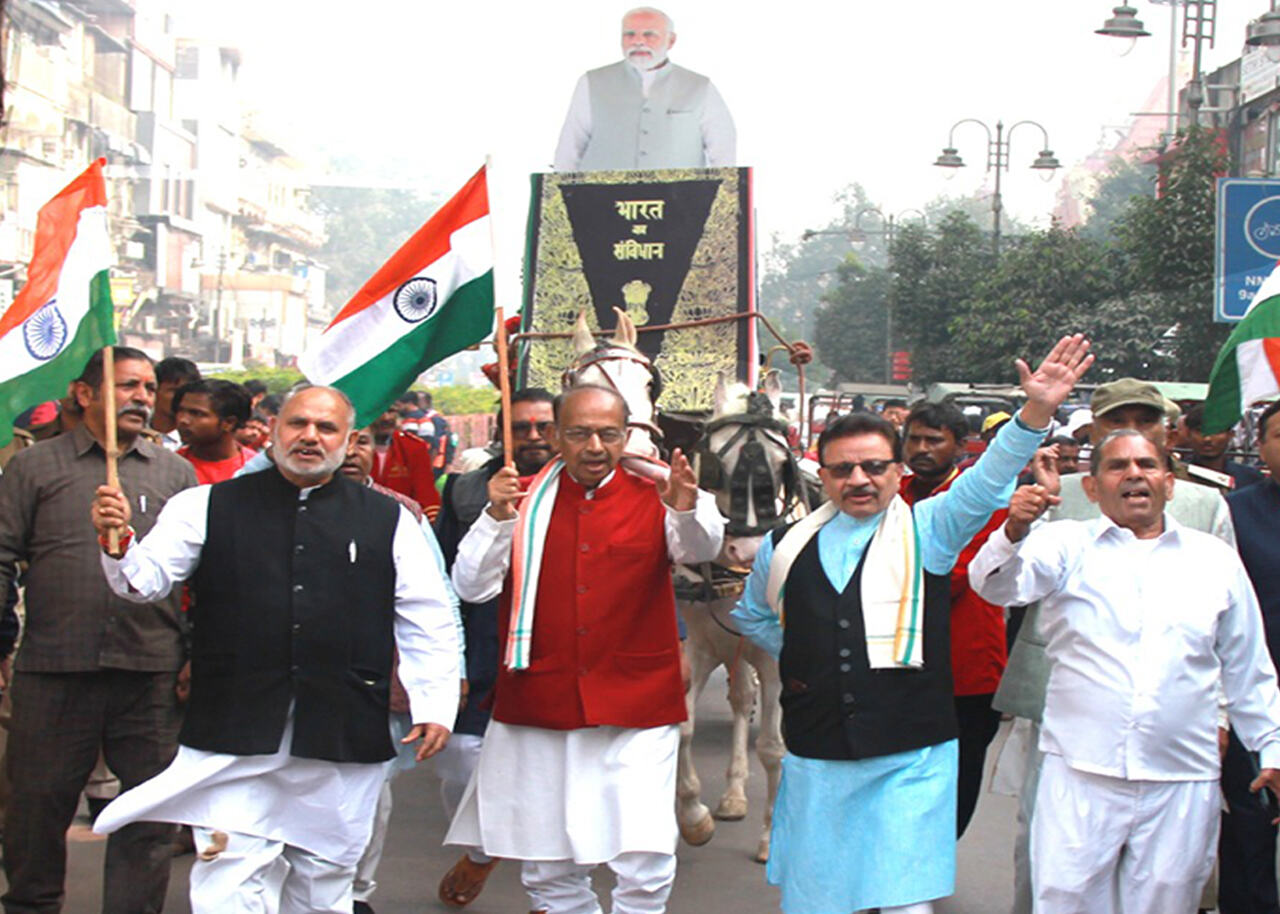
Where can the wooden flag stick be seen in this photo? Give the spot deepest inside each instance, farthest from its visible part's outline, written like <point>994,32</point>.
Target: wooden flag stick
<point>500,331</point>
<point>504,384</point>
<point>108,389</point>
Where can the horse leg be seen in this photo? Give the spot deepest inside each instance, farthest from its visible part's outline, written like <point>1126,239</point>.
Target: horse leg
<point>769,744</point>
<point>692,815</point>
<point>742,699</point>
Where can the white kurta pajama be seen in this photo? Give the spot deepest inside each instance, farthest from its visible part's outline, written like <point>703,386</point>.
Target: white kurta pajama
<point>571,799</point>
<point>1140,633</point>
<point>322,807</point>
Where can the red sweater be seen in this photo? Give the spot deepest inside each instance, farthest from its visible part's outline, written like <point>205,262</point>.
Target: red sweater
<point>978,649</point>
<point>605,646</point>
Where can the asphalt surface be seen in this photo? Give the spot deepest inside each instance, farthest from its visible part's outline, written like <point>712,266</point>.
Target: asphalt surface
<point>718,877</point>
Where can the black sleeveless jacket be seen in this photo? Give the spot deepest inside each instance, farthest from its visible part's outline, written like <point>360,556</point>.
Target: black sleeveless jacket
<point>834,706</point>
<point>294,602</point>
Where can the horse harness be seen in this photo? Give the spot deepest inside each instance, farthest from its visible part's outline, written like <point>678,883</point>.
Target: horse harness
<point>606,352</point>
<point>752,479</point>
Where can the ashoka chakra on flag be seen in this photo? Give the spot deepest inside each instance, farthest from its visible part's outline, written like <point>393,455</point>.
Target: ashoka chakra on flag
<point>45,332</point>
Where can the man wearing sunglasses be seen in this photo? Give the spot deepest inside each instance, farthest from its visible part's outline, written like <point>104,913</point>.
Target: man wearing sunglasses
<point>854,601</point>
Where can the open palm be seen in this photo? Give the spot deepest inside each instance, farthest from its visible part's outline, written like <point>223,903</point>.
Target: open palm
<point>1048,386</point>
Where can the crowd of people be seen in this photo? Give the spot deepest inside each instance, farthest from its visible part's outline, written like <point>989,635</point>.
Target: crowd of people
<point>269,613</point>
<point>190,632</point>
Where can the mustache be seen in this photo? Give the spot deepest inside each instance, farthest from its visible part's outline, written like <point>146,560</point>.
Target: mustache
<point>855,491</point>
<point>134,409</point>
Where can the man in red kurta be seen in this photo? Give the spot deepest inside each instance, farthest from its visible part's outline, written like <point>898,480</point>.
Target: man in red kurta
<point>933,443</point>
<point>578,766</point>
<point>402,463</point>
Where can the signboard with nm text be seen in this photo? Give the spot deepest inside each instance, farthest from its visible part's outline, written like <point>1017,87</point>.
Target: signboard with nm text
<point>1247,245</point>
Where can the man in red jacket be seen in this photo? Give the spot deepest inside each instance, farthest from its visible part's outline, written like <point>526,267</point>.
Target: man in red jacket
<point>933,443</point>
<point>579,761</point>
<point>402,463</point>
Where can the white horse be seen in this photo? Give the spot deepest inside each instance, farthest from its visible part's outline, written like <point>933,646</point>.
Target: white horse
<point>617,364</point>
<point>745,461</point>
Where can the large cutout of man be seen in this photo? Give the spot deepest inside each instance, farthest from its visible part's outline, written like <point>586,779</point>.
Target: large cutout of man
<point>645,111</point>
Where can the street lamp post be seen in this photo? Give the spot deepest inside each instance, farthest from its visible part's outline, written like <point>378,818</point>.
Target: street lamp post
<point>997,159</point>
<point>1198,25</point>
<point>856,235</point>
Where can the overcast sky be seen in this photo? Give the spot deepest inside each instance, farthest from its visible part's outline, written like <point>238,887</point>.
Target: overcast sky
<point>824,92</point>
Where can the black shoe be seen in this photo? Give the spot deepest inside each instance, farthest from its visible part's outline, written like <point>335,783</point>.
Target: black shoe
<point>361,907</point>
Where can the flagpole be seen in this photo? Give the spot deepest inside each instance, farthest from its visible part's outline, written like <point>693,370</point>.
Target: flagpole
<point>108,388</point>
<point>504,384</point>
<point>499,331</point>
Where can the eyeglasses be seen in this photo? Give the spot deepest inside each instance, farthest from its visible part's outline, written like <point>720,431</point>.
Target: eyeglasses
<point>579,435</point>
<point>522,429</point>
<point>870,467</point>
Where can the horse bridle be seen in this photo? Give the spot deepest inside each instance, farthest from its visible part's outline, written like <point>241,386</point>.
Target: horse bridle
<point>607,353</point>
<point>751,473</point>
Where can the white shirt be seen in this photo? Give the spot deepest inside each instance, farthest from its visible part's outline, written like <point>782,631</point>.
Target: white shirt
<point>310,803</point>
<point>719,137</point>
<point>1139,633</point>
<point>424,622</point>
<point>484,555</point>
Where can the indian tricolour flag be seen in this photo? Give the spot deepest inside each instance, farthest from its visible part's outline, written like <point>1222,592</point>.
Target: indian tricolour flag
<point>1248,367</point>
<point>64,311</point>
<point>433,298</point>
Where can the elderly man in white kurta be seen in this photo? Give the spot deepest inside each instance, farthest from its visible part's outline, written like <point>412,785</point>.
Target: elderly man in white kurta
<point>579,761</point>
<point>304,581</point>
<point>644,111</point>
<point>1143,619</point>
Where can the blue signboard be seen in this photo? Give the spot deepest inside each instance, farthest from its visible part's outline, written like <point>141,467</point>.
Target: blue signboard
<point>1247,244</point>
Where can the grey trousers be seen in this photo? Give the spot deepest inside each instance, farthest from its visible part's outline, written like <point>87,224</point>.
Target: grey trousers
<point>61,721</point>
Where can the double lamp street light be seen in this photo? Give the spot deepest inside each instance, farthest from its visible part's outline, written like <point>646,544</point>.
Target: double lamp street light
<point>997,160</point>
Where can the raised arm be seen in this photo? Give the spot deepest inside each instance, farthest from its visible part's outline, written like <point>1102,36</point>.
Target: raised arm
<point>693,525</point>
<point>955,516</point>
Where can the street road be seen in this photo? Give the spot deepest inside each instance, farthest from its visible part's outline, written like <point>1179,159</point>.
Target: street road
<point>719,877</point>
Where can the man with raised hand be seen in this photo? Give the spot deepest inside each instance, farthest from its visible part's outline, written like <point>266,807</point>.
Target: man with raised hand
<point>283,749</point>
<point>854,601</point>
<point>579,761</point>
<point>1127,803</point>
<point>1126,403</point>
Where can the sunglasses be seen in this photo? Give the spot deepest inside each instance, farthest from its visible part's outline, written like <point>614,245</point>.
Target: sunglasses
<point>870,467</point>
<point>522,429</point>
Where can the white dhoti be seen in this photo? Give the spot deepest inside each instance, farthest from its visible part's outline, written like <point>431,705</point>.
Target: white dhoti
<point>1095,838</point>
<point>455,766</point>
<point>325,808</point>
<point>583,795</point>
<point>566,800</point>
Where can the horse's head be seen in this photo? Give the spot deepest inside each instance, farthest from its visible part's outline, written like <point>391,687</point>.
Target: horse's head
<point>617,364</point>
<point>744,460</point>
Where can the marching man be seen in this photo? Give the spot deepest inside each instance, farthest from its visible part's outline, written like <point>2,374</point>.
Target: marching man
<point>579,761</point>
<point>1128,793</point>
<point>854,601</point>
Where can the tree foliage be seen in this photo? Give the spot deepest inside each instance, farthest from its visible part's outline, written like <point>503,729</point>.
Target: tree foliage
<point>851,323</point>
<point>937,273</point>
<point>365,226</point>
<point>1169,240</point>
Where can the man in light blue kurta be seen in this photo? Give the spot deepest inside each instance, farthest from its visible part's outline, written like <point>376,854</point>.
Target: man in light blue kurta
<point>865,815</point>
